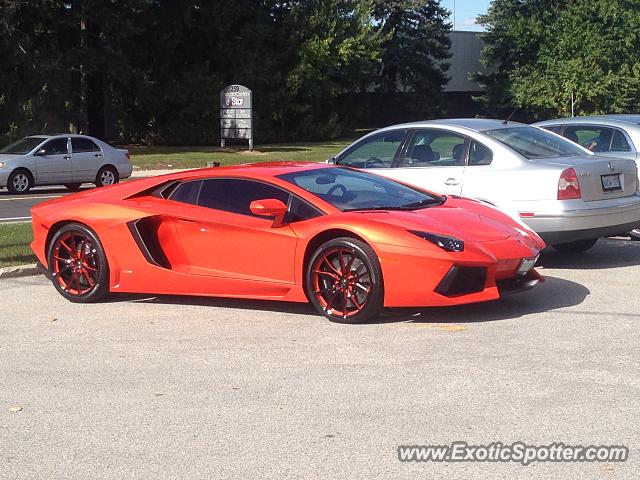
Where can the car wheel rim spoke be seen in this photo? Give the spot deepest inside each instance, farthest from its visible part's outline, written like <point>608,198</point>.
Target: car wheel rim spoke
<point>341,282</point>
<point>75,266</point>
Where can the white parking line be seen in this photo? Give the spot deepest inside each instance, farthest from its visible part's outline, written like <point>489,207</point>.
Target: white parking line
<point>29,198</point>
<point>14,219</point>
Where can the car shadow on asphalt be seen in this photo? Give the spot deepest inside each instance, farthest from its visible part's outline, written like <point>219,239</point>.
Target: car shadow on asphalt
<point>607,253</point>
<point>553,294</point>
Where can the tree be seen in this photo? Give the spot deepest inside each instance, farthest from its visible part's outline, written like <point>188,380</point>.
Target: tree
<point>415,48</point>
<point>545,52</point>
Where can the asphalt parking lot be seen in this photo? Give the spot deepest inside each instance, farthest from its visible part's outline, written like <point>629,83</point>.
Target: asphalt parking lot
<point>175,387</point>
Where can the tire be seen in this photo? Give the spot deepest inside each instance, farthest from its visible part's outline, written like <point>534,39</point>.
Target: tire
<point>78,264</point>
<point>20,181</point>
<point>343,281</point>
<point>107,176</point>
<point>578,246</point>
<point>74,187</point>
<point>635,234</point>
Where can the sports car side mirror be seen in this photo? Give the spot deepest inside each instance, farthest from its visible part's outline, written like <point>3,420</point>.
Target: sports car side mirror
<point>331,161</point>
<point>270,207</point>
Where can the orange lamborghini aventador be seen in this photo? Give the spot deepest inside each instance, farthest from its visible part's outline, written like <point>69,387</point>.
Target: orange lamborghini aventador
<point>348,241</point>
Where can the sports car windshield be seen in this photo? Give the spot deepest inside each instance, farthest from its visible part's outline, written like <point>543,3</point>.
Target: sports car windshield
<point>349,190</point>
<point>22,147</point>
<point>535,143</point>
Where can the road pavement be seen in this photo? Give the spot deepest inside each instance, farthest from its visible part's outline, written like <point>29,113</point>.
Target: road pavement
<point>16,208</point>
<point>175,387</point>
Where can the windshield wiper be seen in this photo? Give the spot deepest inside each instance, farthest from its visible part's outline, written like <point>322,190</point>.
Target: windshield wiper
<point>409,206</point>
<point>423,203</point>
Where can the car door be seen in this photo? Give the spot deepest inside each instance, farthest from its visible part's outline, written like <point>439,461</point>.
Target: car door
<point>222,238</point>
<point>53,162</point>
<point>377,152</point>
<point>433,159</point>
<point>86,159</point>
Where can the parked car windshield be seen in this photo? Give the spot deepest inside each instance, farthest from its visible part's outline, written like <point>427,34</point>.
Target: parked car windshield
<point>534,142</point>
<point>349,189</point>
<point>22,147</point>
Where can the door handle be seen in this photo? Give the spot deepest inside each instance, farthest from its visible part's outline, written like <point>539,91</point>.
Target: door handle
<point>186,220</point>
<point>67,157</point>
<point>98,155</point>
<point>451,181</point>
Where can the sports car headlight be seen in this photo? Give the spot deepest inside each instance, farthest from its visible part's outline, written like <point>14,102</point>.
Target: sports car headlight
<point>449,244</point>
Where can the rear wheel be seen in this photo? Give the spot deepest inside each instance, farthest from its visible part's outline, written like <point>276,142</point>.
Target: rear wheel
<point>578,246</point>
<point>20,181</point>
<point>107,176</point>
<point>74,187</point>
<point>343,281</point>
<point>78,264</point>
<point>635,234</point>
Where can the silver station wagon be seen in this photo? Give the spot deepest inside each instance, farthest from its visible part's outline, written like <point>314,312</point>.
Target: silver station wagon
<point>562,191</point>
<point>68,160</point>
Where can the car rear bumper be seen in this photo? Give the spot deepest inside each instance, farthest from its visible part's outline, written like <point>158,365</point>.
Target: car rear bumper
<point>593,220</point>
<point>125,171</point>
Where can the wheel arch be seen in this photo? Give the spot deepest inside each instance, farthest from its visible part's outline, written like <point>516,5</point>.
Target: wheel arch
<point>323,237</point>
<point>24,169</point>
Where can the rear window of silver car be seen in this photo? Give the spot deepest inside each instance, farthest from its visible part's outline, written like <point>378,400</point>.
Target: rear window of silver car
<point>535,143</point>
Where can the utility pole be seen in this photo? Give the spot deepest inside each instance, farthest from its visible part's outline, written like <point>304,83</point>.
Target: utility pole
<point>83,110</point>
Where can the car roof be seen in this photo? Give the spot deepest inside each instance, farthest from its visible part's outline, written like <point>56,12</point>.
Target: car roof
<point>55,135</point>
<point>618,120</point>
<point>257,170</point>
<point>475,124</point>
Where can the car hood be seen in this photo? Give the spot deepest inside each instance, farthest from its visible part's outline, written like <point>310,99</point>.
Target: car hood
<point>5,157</point>
<point>454,220</point>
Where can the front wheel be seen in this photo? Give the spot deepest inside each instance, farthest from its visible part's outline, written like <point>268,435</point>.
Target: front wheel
<point>107,176</point>
<point>343,281</point>
<point>635,234</point>
<point>578,246</point>
<point>19,181</point>
<point>78,264</point>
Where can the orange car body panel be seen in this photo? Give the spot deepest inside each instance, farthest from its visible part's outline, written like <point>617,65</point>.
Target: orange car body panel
<point>215,253</point>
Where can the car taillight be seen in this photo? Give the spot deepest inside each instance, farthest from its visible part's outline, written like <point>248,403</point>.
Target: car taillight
<point>568,186</point>
<point>126,154</point>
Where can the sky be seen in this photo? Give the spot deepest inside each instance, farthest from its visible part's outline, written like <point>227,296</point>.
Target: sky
<point>466,12</point>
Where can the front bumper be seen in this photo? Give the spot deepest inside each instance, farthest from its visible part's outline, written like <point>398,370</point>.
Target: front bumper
<point>4,177</point>
<point>483,272</point>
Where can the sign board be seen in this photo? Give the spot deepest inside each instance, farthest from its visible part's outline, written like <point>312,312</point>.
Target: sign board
<point>236,120</point>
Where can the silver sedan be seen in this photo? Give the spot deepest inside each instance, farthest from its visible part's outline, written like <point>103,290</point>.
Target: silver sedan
<point>556,188</point>
<point>68,160</point>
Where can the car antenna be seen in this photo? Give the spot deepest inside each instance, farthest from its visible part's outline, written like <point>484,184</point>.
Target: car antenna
<point>510,115</point>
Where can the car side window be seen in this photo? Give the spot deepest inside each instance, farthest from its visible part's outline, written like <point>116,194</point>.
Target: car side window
<point>235,195</point>
<point>57,146</point>
<point>594,138</point>
<point>479,154</point>
<point>377,151</point>
<point>619,142</point>
<point>186,192</point>
<point>82,145</point>
<point>435,148</point>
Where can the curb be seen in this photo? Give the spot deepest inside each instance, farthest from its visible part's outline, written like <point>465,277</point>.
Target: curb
<point>19,271</point>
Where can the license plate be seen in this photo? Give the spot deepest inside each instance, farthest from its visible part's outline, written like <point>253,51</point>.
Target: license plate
<point>527,264</point>
<point>611,183</point>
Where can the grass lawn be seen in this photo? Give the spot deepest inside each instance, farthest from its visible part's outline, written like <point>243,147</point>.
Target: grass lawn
<point>152,158</point>
<point>14,244</point>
